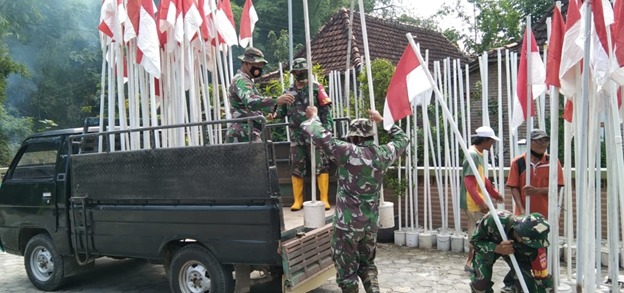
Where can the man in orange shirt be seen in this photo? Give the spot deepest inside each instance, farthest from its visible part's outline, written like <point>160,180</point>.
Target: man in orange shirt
<point>539,168</point>
<point>537,188</point>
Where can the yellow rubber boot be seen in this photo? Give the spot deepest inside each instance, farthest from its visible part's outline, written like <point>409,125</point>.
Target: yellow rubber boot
<point>297,187</point>
<point>322,180</point>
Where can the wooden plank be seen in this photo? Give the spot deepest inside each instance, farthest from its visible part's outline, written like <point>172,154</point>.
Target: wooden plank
<point>307,256</point>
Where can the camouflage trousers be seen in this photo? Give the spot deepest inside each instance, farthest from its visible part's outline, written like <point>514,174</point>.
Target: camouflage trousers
<point>299,157</point>
<point>481,278</point>
<point>239,132</point>
<point>354,256</point>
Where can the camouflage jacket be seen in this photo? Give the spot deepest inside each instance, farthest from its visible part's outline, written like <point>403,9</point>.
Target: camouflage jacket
<point>486,237</point>
<point>296,112</point>
<point>360,173</point>
<point>245,99</point>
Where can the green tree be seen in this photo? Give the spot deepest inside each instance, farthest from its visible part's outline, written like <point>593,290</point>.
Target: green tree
<point>14,18</point>
<point>498,22</point>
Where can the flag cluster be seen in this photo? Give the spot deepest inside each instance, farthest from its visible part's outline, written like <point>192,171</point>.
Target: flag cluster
<point>563,68</point>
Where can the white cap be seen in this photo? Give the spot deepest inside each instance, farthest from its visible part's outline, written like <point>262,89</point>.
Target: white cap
<point>486,131</point>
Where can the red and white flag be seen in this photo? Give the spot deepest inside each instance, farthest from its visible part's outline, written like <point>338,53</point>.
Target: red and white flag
<point>530,60</point>
<point>248,23</point>
<point>599,59</point>
<point>571,52</point>
<point>409,86</point>
<point>148,49</point>
<point>555,45</point>
<point>224,21</point>
<point>112,16</point>
<point>617,32</point>
<point>192,18</point>
<point>170,23</point>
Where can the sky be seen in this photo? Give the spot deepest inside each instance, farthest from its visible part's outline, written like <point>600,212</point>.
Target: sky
<point>427,8</point>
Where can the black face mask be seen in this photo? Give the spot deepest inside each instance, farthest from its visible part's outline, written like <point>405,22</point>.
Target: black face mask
<point>301,76</point>
<point>539,156</point>
<point>255,71</point>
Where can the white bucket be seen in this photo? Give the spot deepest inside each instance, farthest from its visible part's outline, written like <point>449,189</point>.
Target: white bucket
<point>621,258</point>
<point>411,238</point>
<point>434,235</point>
<point>313,214</point>
<point>443,242</point>
<point>425,240</point>
<point>466,243</point>
<point>457,243</point>
<point>604,257</point>
<point>399,237</point>
<point>386,215</point>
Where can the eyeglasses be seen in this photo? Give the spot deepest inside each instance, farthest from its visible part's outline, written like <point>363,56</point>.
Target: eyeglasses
<point>542,140</point>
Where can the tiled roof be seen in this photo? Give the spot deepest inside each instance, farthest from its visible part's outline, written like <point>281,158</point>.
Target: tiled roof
<point>386,39</point>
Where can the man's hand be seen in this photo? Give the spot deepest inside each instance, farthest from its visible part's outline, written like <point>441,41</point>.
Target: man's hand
<point>311,111</point>
<point>530,190</point>
<point>505,247</point>
<point>375,116</point>
<point>287,99</point>
<point>484,208</point>
<point>271,116</point>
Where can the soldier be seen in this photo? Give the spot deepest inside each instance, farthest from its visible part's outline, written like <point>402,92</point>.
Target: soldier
<point>299,145</point>
<point>245,99</point>
<point>361,166</point>
<point>527,241</point>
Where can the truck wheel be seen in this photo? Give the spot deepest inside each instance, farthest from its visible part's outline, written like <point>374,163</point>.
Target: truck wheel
<point>194,269</point>
<point>43,263</point>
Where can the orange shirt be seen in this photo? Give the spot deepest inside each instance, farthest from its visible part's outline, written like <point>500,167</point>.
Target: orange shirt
<point>539,178</point>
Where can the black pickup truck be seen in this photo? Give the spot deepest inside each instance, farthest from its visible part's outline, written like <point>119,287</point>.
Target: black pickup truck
<point>202,211</point>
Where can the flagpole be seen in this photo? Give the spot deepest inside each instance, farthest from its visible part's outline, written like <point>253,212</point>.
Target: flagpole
<point>528,116</point>
<point>448,115</point>
<point>386,210</point>
<point>314,211</point>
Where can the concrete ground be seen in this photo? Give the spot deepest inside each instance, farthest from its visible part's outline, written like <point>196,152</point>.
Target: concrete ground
<point>401,269</point>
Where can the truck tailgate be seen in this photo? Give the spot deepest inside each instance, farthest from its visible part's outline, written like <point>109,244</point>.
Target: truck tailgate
<point>307,260</point>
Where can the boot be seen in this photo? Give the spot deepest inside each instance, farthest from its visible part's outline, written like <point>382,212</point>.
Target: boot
<point>322,180</point>
<point>351,289</point>
<point>297,187</point>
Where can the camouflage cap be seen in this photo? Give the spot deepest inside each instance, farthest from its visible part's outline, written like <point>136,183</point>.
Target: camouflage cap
<point>300,64</point>
<point>252,55</point>
<point>533,229</point>
<point>361,127</point>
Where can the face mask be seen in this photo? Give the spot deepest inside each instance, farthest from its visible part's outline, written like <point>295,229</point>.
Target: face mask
<point>255,71</point>
<point>301,76</point>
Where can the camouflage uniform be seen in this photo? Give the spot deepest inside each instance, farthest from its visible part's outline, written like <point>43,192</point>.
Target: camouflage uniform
<point>299,144</point>
<point>360,173</point>
<point>246,101</point>
<point>530,254</point>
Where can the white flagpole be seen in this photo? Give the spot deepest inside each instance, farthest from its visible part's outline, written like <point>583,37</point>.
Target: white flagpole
<point>102,97</point>
<point>529,118</point>
<point>383,206</point>
<point>501,143</point>
<point>448,116</point>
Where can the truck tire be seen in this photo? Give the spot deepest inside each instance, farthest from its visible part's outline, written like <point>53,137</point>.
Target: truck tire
<point>193,268</point>
<point>43,263</point>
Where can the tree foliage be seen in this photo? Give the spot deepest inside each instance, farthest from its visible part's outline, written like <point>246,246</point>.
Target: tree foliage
<point>498,22</point>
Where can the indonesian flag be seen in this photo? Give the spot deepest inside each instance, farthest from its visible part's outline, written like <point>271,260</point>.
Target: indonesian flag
<point>192,18</point>
<point>529,61</point>
<point>571,52</point>
<point>224,21</point>
<point>148,51</point>
<point>206,30</point>
<point>555,45</point>
<point>248,23</point>
<point>112,16</point>
<point>599,59</point>
<point>617,32</point>
<point>170,23</point>
<point>409,86</point>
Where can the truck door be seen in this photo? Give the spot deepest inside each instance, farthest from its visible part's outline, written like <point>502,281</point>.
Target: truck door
<point>29,187</point>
